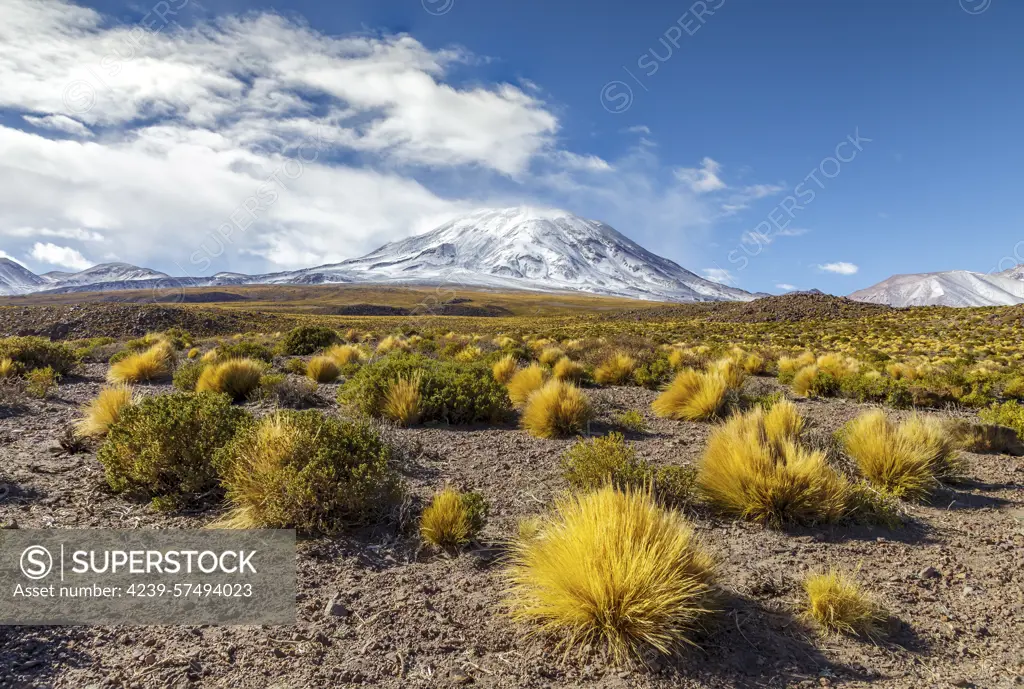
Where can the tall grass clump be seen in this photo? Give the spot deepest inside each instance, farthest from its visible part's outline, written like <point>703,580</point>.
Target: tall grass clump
<point>237,378</point>
<point>403,400</point>
<point>905,460</point>
<point>163,446</point>
<point>104,410</point>
<point>754,467</point>
<point>615,370</point>
<point>838,604</point>
<point>567,369</point>
<point>308,471</point>
<point>153,364</point>
<point>693,396</point>
<point>452,518</point>
<point>504,368</point>
<point>524,383</point>
<point>8,369</point>
<point>557,409</point>
<point>550,355</point>
<point>345,354</point>
<point>323,369</point>
<point>614,569</point>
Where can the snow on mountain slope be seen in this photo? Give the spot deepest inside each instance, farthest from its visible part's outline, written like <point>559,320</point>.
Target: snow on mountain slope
<point>528,248</point>
<point>17,279</point>
<point>109,272</point>
<point>950,288</point>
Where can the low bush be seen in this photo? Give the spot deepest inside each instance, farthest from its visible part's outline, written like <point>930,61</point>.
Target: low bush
<point>162,447</point>
<point>104,410</point>
<point>615,370</point>
<point>450,392</point>
<point>550,355</point>
<point>187,375</point>
<point>308,471</point>
<point>632,420</point>
<point>613,569</point>
<point>1009,414</point>
<point>838,604</point>
<point>693,396</point>
<point>452,518</point>
<point>653,374</point>
<point>754,467</point>
<point>290,392</point>
<point>525,382</point>
<point>246,349</point>
<point>812,381</point>
<point>307,339</point>
<point>237,378</point>
<point>557,409</point>
<point>592,463</point>
<point>41,382</point>
<point>37,352</point>
<point>150,365</point>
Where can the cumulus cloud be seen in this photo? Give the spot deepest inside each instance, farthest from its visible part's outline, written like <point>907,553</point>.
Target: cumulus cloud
<point>840,267</point>
<point>62,256</point>
<point>785,287</point>
<point>257,143</point>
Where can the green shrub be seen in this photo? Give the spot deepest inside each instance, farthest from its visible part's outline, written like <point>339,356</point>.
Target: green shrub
<point>163,446</point>
<point>452,392</point>
<point>590,464</point>
<point>676,485</point>
<point>38,352</point>
<point>179,337</point>
<point>187,375</point>
<point>632,420</point>
<point>296,366</point>
<point>654,374</point>
<point>40,382</point>
<point>1009,414</point>
<point>309,471</point>
<point>307,339</point>
<point>246,349</point>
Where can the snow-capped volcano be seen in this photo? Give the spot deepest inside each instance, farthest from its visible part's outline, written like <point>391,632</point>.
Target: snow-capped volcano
<point>949,288</point>
<point>528,248</point>
<point>510,248</point>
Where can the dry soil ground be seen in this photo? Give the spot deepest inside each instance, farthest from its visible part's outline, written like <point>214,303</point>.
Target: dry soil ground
<point>405,616</point>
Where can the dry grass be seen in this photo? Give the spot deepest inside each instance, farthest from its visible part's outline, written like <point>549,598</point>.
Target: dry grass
<point>557,409</point>
<point>524,383</point>
<point>567,369</point>
<point>839,605</point>
<point>323,369</point>
<point>344,354</point>
<point>446,522</point>
<point>155,363</point>
<point>905,460</point>
<point>550,355</point>
<point>693,396</point>
<point>7,368</point>
<point>194,353</point>
<point>403,400</point>
<point>391,343</point>
<point>611,568</point>
<point>237,378</point>
<point>615,370</point>
<point>469,353</point>
<point>504,368</point>
<point>755,468</point>
<point>99,414</point>
<point>733,373</point>
<point>754,364</point>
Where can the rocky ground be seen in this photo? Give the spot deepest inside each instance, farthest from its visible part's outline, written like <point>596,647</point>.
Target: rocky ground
<point>374,608</point>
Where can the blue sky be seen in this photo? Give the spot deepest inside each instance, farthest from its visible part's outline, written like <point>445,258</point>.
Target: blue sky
<point>686,126</point>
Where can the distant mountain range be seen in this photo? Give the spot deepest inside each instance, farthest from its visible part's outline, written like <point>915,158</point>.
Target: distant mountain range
<point>510,248</point>
<point>949,288</point>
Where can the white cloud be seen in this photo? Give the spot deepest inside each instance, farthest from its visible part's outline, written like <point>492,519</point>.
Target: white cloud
<point>60,123</point>
<point>65,233</point>
<point>753,237</point>
<point>785,286</point>
<point>840,267</point>
<point>255,143</point>
<point>704,179</point>
<point>63,256</point>
<point>639,129</point>
<point>720,275</point>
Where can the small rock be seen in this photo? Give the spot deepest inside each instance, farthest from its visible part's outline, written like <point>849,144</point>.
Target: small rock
<point>335,608</point>
<point>929,573</point>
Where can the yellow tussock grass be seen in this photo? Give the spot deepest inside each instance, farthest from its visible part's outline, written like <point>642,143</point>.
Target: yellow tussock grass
<point>615,370</point>
<point>323,369</point>
<point>236,378</point>
<point>344,354</point>
<point>556,409</point>
<point>103,411</point>
<point>504,368</point>
<point>567,369</point>
<point>155,363</point>
<point>403,400</point>
<point>839,605</point>
<point>692,396</point>
<point>445,523</point>
<point>612,569</point>
<point>524,383</point>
